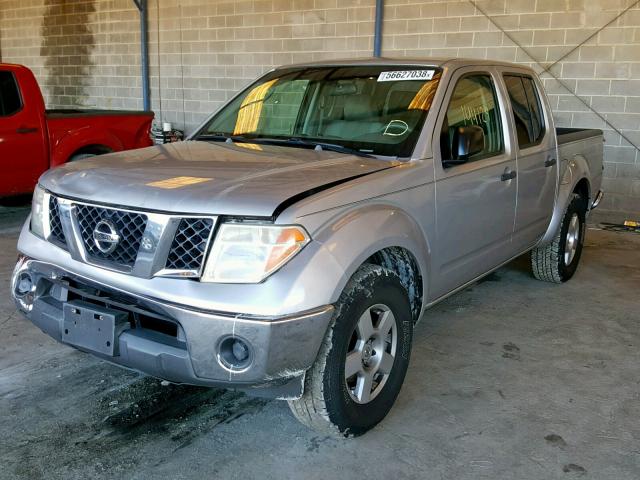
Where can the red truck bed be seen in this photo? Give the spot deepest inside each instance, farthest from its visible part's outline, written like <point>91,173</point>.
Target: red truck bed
<point>33,139</point>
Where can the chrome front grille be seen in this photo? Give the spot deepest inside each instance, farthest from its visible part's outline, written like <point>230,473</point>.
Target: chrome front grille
<point>139,243</point>
<point>129,225</point>
<point>189,244</point>
<point>55,224</point>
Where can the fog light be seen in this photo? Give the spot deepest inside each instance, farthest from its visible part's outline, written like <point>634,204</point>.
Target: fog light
<point>240,350</point>
<point>24,284</point>
<point>24,290</point>
<point>235,354</point>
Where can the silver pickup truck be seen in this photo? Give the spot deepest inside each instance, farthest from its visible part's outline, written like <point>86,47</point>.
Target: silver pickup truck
<point>291,244</point>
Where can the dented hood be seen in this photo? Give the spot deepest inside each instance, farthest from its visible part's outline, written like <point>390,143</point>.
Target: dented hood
<point>206,177</point>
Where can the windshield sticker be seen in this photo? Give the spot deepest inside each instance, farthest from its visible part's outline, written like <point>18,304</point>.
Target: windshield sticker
<point>396,128</point>
<point>406,75</point>
<point>475,115</point>
<point>177,182</point>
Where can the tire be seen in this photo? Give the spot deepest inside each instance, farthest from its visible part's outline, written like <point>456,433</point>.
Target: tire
<point>557,262</point>
<point>81,156</point>
<point>339,405</point>
<point>19,200</point>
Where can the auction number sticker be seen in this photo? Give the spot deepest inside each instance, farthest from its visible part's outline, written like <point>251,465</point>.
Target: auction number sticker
<point>406,75</point>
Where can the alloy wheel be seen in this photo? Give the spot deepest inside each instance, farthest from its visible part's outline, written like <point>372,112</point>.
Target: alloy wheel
<point>572,239</point>
<point>371,355</point>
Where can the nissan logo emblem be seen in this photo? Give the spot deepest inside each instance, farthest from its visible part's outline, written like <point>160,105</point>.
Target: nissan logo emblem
<point>105,236</point>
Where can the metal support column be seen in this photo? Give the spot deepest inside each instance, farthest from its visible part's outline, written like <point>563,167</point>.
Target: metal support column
<point>377,35</point>
<point>144,52</point>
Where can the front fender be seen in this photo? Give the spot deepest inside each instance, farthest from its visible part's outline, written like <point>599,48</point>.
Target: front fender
<point>572,171</point>
<point>354,235</point>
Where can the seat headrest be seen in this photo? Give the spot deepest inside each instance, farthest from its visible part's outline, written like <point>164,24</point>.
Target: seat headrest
<point>398,99</point>
<point>343,87</point>
<point>357,107</point>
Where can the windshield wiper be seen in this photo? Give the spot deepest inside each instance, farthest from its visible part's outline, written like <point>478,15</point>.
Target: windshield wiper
<point>334,147</point>
<point>296,141</point>
<point>292,141</point>
<point>222,137</point>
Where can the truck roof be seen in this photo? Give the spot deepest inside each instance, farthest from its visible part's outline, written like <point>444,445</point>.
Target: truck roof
<point>425,61</point>
<point>13,66</point>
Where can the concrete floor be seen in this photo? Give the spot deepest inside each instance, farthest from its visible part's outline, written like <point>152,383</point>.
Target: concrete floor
<point>510,379</point>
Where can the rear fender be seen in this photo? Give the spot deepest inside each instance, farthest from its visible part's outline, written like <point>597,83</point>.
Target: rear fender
<point>142,136</point>
<point>573,170</point>
<point>79,139</point>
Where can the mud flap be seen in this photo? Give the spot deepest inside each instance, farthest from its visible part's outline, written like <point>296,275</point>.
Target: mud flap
<point>288,389</point>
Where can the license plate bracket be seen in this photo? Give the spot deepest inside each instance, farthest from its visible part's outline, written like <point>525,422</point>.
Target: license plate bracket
<point>93,327</point>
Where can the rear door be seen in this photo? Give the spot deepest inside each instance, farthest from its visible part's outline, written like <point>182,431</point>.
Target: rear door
<point>475,201</point>
<point>535,143</point>
<point>23,153</point>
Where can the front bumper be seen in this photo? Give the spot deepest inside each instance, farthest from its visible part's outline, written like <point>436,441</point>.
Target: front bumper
<point>180,343</point>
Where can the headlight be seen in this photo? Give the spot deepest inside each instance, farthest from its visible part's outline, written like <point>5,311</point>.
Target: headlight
<point>245,253</point>
<point>37,212</point>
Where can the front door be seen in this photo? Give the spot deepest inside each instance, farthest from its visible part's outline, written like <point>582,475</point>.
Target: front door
<point>23,154</point>
<point>475,200</point>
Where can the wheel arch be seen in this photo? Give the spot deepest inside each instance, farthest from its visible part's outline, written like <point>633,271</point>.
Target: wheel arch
<point>78,141</point>
<point>396,241</point>
<point>404,263</point>
<point>575,179</point>
<point>93,149</point>
<point>583,188</point>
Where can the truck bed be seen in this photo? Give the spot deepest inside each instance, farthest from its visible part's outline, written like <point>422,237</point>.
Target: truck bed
<point>584,142</point>
<point>78,113</point>
<point>568,135</point>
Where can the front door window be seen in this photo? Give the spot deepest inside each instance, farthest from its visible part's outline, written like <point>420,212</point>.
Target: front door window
<point>473,103</point>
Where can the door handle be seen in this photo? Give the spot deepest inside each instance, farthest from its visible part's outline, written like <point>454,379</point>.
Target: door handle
<point>510,175</point>
<point>550,162</point>
<point>27,130</point>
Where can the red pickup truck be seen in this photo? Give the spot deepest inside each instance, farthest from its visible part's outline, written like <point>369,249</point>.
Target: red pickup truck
<point>33,139</point>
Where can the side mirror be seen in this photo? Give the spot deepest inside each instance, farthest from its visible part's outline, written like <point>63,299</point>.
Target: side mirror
<point>467,141</point>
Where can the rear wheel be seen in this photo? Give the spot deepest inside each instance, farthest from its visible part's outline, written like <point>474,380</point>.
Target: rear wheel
<point>364,357</point>
<point>81,156</point>
<point>557,262</point>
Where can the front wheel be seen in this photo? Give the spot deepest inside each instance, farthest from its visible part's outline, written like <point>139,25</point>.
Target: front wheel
<point>364,357</point>
<point>558,261</point>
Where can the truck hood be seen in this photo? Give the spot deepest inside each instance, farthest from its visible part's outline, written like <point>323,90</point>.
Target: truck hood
<point>207,177</point>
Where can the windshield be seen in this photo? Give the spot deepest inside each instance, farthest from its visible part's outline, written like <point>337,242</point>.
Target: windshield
<point>368,109</point>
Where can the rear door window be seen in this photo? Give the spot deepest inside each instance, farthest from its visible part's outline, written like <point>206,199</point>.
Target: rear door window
<point>473,102</point>
<point>535,108</point>
<point>526,108</point>
<point>10,102</point>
